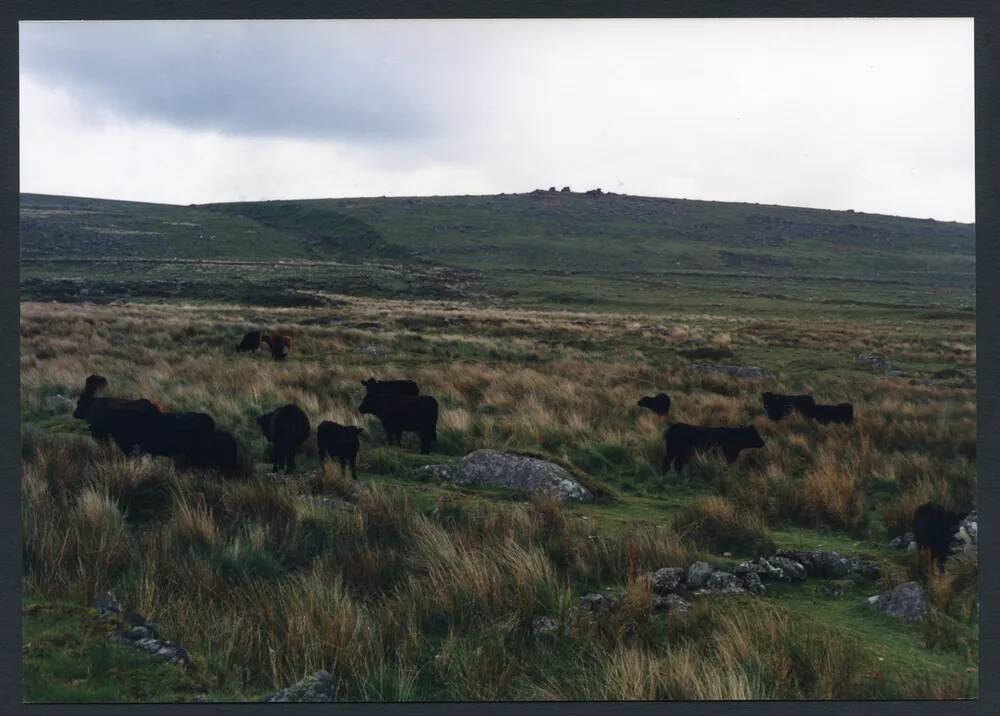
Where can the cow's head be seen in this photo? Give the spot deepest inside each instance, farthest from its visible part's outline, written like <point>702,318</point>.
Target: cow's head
<point>91,388</point>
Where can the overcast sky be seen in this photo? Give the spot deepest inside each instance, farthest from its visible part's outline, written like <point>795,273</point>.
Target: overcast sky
<point>872,115</point>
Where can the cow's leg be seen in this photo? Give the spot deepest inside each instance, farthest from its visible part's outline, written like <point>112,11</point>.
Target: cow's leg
<point>354,468</point>
<point>425,443</point>
<point>290,459</point>
<point>667,459</point>
<point>731,454</point>
<point>679,463</point>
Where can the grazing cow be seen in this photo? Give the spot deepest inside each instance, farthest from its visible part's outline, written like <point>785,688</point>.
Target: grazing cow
<point>218,452</point>
<point>390,387</point>
<point>279,345</point>
<point>176,435</point>
<point>340,441</point>
<point>398,413</point>
<point>683,440</point>
<point>285,428</point>
<point>250,342</point>
<point>659,404</point>
<point>778,406</point>
<point>840,413</point>
<point>933,529</point>
<point>99,412</point>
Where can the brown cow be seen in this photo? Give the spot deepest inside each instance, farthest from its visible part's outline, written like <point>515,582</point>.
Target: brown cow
<point>280,345</point>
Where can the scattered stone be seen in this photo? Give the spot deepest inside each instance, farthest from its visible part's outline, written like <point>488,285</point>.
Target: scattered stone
<point>697,574</point>
<point>596,602</point>
<point>372,349</point>
<point>544,625</point>
<point>138,632</point>
<point>751,582</point>
<point>830,565</point>
<point>908,602</point>
<point>312,689</point>
<point>667,580</point>
<point>58,403</point>
<point>671,604</point>
<point>492,468</point>
<point>837,587</point>
<point>106,605</point>
<point>876,361</point>
<point>762,568</point>
<point>436,473</point>
<point>166,650</point>
<point>723,583</point>
<point>901,542</point>
<point>793,570</point>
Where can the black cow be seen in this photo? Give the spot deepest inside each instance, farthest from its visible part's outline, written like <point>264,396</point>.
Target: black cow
<point>390,387</point>
<point>659,404</point>
<point>285,428</point>
<point>219,452</point>
<point>683,440</point>
<point>933,529</point>
<point>398,413</point>
<point>250,342</point>
<point>340,441</point>
<point>160,434</point>
<point>840,413</point>
<point>778,406</point>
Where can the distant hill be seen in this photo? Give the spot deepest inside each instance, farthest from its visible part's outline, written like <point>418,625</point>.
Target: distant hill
<point>562,234</point>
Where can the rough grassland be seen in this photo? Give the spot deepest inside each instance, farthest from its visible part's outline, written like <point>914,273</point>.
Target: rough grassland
<point>426,591</point>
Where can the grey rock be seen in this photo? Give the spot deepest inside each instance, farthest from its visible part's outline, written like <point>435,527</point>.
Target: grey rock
<point>544,625</point>
<point>597,602</point>
<point>106,605</point>
<point>908,602</point>
<point>901,542</point>
<point>138,632</point>
<point>830,565</point>
<point>697,575</point>
<point>492,468</point>
<point>317,688</point>
<point>793,570</point>
<point>876,361</point>
<point>58,403</point>
<point>667,580</point>
<point>329,502</point>
<point>751,582</point>
<point>671,604</point>
<point>436,473</point>
<point>724,583</point>
<point>763,569</point>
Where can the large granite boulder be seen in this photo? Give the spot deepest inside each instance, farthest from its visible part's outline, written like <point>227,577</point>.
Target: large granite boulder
<point>908,602</point>
<point>492,468</point>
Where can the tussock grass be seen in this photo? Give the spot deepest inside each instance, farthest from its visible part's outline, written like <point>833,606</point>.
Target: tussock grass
<point>420,590</point>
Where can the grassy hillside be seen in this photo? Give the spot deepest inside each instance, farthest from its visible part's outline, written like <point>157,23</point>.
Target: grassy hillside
<point>537,249</point>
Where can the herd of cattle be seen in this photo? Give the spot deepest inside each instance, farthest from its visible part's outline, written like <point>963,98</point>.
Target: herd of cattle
<point>194,440</point>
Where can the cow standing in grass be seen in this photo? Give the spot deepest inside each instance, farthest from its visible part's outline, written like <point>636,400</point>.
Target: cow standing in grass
<point>279,345</point>
<point>683,441</point>
<point>251,342</point>
<point>339,441</point>
<point>286,428</point>
<point>779,406</point>
<point>842,413</point>
<point>404,413</point>
<point>934,527</point>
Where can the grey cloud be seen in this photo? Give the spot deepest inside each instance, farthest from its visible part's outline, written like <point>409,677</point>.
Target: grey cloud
<point>283,79</point>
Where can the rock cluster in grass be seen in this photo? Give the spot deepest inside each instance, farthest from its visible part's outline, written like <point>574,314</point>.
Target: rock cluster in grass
<point>738,371</point>
<point>316,688</point>
<point>907,601</point>
<point>876,361</point>
<point>492,468</point>
<point>141,634</point>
